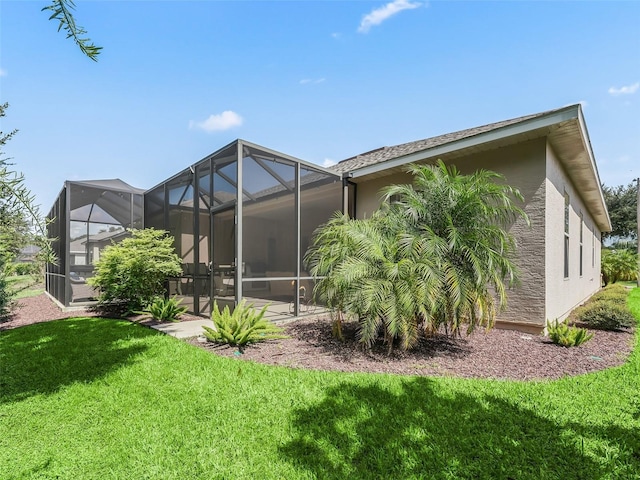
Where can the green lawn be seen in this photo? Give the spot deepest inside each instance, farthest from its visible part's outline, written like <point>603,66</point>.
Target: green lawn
<point>93,398</point>
<point>25,286</point>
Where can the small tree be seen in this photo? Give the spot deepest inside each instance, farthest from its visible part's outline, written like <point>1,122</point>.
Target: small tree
<point>20,219</point>
<point>130,274</point>
<point>622,205</point>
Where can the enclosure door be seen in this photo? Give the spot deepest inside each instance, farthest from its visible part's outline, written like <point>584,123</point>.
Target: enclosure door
<point>223,255</point>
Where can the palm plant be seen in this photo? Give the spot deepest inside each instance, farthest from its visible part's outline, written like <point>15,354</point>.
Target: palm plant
<point>433,255</point>
<point>363,269</point>
<point>619,265</point>
<point>463,221</point>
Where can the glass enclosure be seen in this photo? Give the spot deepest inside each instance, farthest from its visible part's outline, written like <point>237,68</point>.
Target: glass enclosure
<point>85,218</point>
<point>242,219</point>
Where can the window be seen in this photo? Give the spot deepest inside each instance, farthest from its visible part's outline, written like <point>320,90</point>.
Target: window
<point>581,239</point>
<point>593,248</point>
<point>566,235</point>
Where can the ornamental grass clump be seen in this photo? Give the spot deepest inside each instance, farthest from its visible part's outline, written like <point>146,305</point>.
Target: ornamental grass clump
<point>566,336</point>
<point>242,326</point>
<point>164,309</point>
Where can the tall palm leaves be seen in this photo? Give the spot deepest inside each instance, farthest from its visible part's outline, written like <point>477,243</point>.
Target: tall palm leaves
<point>466,217</point>
<point>435,254</point>
<point>365,270</point>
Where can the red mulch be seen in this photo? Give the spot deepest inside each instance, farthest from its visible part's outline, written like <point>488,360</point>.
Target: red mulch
<point>503,354</point>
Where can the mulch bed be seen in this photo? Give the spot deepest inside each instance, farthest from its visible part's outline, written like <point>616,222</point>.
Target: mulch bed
<point>500,354</point>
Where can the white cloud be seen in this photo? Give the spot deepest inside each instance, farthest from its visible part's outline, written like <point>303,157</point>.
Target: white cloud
<point>328,163</point>
<point>3,72</point>
<point>626,90</point>
<point>216,123</point>
<point>379,15</point>
<point>336,35</point>
<point>307,81</point>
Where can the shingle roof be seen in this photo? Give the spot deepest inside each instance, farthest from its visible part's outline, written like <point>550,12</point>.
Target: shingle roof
<point>384,154</point>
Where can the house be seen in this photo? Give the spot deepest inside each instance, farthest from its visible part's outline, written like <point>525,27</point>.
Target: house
<point>548,157</point>
<point>28,254</point>
<point>243,217</point>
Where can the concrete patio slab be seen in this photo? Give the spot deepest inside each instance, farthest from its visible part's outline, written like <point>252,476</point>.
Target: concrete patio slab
<point>192,328</point>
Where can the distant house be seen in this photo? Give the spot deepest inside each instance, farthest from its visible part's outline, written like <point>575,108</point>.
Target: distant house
<point>548,157</point>
<point>28,254</point>
<point>243,217</point>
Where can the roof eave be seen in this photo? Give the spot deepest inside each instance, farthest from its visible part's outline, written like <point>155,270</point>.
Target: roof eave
<point>572,113</point>
<point>501,133</point>
<point>595,200</point>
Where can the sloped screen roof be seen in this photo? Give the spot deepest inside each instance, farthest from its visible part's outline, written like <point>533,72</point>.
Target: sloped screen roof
<point>101,201</point>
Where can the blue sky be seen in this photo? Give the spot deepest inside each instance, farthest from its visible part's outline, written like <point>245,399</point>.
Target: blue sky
<point>321,81</point>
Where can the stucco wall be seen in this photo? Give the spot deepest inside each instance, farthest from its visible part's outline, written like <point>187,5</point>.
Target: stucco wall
<point>563,294</point>
<point>523,167</point>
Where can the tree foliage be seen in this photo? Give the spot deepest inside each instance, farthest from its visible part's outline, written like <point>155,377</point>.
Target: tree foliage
<point>20,218</point>
<point>132,273</point>
<point>619,264</point>
<point>436,254</point>
<point>62,10</point>
<point>20,221</point>
<point>622,205</point>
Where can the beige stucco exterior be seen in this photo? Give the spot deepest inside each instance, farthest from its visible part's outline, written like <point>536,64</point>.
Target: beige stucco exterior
<point>563,294</point>
<point>532,167</point>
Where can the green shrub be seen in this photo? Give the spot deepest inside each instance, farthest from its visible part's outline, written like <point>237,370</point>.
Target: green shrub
<point>6,301</point>
<point>132,273</point>
<point>614,293</point>
<point>245,325</point>
<point>605,315</point>
<point>164,309</point>
<point>562,334</point>
<point>619,265</point>
<point>26,268</point>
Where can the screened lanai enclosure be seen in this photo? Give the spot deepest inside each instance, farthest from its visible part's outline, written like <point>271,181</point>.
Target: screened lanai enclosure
<point>242,219</point>
<point>85,218</point>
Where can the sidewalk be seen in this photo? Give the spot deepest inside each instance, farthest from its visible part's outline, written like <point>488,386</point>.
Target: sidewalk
<point>192,328</point>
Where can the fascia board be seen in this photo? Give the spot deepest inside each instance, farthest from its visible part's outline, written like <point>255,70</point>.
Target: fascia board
<point>594,167</point>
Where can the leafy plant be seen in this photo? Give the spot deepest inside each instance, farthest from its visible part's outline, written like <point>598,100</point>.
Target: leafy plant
<point>613,292</point>
<point>619,265</point>
<point>605,315</point>
<point>562,334</point>
<point>20,219</point>
<point>164,309</point>
<point>436,254</point>
<point>245,325</point>
<point>62,11</point>
<point>132,273</point>
<point>27,268</point>
<point>622,205</point>
<point>6,301</point>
